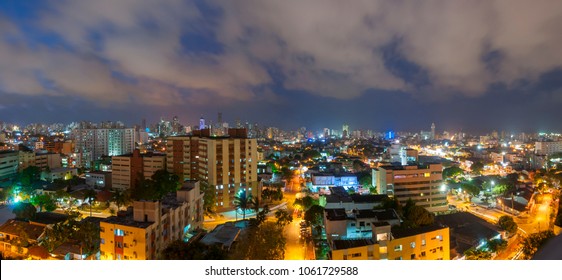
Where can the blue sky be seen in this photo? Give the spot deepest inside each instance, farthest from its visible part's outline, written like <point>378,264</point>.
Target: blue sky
<point>372,64</point>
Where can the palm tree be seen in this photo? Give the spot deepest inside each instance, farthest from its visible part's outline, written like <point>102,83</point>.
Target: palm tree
<point>120,198</point>
<point>242,202</point>
<point>90,195</point>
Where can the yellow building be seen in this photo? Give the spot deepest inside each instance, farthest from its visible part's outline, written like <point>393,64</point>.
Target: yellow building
<point>146,231</point>
<point>128,169</point>
<point>425,243</point>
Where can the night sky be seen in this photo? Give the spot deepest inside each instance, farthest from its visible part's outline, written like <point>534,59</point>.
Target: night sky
<point>474,66</point>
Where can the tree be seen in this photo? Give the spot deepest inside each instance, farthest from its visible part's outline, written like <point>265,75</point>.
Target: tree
<point>477,254</point>
<point>30,175</point>
<point>314,215</point>
<point>417,216</point>
<point>24,211</point>
<point>535,241</point>
<point>89,236</point>
<point>44,201</point>
<point>477,167</point>
<point>392,203</point>
<point>365,180</point>
<point>265,242</point>
<point>243,201</point>
<point>311,154</point>
<point>452,171</point>
<point>120,198</point>
<point>180,250</point>
<point>471,189</point>
<point>507,223</point>
<point>306,202</point>
<point>90,196</point>
<point>496,245</point>
<point>283,218</point>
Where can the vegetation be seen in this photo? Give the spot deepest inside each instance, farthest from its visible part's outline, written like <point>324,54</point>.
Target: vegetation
<point>272,194</point>
<point>90,196</point>
<point>180,250</point>
<point>533,242</point>
<point>452,172</point>
<point>508,224</point>
<point>417,216</point>
<point>44,201</point>
<point>24,211</point>
<point>477,168</point>
<point>120,198</point>
<point>313,216</point>
<point>306,202</point>
<point>477,254</point>
<point>283,218</point>
<point>160,184</point>
<point>264,242</point>
<point>243,202</point>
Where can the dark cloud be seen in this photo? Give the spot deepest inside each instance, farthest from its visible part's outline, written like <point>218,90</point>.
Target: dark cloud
<point>167,55</point>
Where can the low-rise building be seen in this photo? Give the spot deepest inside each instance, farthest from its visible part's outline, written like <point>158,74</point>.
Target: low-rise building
<point>128,169</point>
<point>16,237</point>
<point>340,198</point>
<point>8,164</point>
<point>99,179</point>
<point>144,232</point>
<point>424,243</point>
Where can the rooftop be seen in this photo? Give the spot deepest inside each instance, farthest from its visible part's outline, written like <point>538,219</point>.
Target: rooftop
<point>126,220</point>
<point>336,214</point>
<point>381,215</point>
<point>468,225</point>
<point>14,227</point>
<point>400,233</point>
<point>341,244</point>
<point>48,218</point>
<point>223,235</point>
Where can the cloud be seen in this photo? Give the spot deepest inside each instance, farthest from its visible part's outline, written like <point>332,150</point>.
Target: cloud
<point>134,51</point>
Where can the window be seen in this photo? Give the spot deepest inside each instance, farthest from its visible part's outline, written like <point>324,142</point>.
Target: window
<point>352,224</point>
<point>423,242</point>
<point>398,248</point>
<point>102,229</point>
<point>119,232</point>
<point>423,254</point>
<point>398,258</point>
<point>413,244</point>
<point>439,237</point>
<point>102,241</point>
<point>356,255</point>
<point>413,256</point>
<point>361,224</point>
<point>119,244</point>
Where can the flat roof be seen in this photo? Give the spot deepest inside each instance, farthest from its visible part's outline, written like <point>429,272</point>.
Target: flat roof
<point>126,220</point>
<point>224,234</point>
<point>381,215</point>
<point>340,244</point>
<point>336,214</point>
<point>400,233</point>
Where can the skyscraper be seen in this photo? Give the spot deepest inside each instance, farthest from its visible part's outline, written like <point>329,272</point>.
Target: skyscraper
<point>201,123</point>
<point>432,131</point>
<point>92,143</point>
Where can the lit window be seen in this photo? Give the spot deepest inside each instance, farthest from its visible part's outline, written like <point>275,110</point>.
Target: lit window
<point>119,232</point>
<point>398,248</point>
<point>413,244</point>
<point>423,242</point>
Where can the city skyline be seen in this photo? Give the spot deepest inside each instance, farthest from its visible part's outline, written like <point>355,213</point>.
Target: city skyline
<point>374,65</point>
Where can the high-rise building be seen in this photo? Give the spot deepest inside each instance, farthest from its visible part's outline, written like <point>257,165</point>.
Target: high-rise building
<point>432,131</point>
<point>548,147</point>
<point>345,131</point>
<point>201,123</point>
<point>92,143</point>
<point>227,164</point>
<point>146,231</point>
<point>421,183</point>
<point>128,169</point>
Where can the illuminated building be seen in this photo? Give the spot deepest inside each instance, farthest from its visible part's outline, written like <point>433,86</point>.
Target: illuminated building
<point>13,231</point>
<point>92,143</point>
<point>548,147</point>
<point>227,164</point>
<point>425,243</point>
<point>8,164</point>
<point>128,169</point>
<point>146,231</point>
<point>50,160</point>
<point>26,159</point>
<point>99,179</point>
<point>421,183</point>
<point>433,131</point>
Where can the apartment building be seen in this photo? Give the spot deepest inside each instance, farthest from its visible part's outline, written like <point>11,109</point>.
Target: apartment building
<point>227,163</point>
<point>425,243</point>
<point>8,164</point>
<point>127,169</point>
<point>91,142</point>
<point>144,232</point>
<point>25,159</point>
<point>421,183</point>
<point>48,160</point>
<point>548,147</point>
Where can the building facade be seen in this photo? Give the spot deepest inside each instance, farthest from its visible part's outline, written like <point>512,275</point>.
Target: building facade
<point>421,183</point>
<point>227,164</point>
<point>8,164</point>
<point>92,143</point>
<point>128,169</point>
<point>548,147</point>
<point>146,231</point>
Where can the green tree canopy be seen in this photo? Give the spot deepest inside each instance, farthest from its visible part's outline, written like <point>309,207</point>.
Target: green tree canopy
<point>243,202</point>
<point>24,211</point>
<point>283,218</point>
<point>265,242</point>
<point>417,216</point>
<point>508,224</point>
<point>314,215</point>
<point>477,167</point>
<point>452,171</point>
<point>533,242</point>
<point>44,201</point>
<point>179,250</point>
